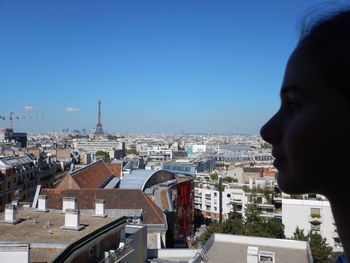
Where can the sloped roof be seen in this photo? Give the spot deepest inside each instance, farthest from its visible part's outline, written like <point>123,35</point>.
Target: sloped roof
<point>115,168</point>
<point>90,176</point>
<point>114,198</point>
<point>12,161</point>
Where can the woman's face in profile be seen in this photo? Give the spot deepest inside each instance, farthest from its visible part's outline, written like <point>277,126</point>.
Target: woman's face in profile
<point>308,131</point>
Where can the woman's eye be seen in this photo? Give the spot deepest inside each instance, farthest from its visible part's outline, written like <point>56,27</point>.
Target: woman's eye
<point>291,105</point>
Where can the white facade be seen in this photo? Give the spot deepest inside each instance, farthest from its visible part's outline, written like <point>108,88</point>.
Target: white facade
<point>208,200</point>
<point>14,252</point>
<point>199,148</point>
<point>233,195</point>
<point>310,215</point>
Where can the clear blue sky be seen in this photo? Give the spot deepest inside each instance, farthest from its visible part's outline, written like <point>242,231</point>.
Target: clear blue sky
<point>158,66</point>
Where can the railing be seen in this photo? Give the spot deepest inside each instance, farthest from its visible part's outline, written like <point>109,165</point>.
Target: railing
<point>313,219</point>
<point>334,234</point>
<point>118,254</point>
<point>207,202</point>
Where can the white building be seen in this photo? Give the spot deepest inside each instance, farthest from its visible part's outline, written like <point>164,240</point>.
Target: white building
<point>310,215</point>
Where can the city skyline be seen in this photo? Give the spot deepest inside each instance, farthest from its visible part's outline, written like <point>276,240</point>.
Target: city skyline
<point>158,67</point>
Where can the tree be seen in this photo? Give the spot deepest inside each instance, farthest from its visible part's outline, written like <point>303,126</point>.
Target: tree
<point>234,224</point>
<point>214,227</point>
<point>230,179</point>
<point>273,228</point>
<point>131,151</point>
<point>102,155</point>
<point>214,176</point>
<point>321,252</point>
<point>253,222</point>
<point>299,235</point>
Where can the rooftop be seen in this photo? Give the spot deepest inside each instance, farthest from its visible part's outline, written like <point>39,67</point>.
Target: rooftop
<point>41,237</point>
<point>114,198</point>
<point>115,168</point>
<point>94,175</point>
<point>233,249</point>
<point>12,161</point>
<point>138,179</point>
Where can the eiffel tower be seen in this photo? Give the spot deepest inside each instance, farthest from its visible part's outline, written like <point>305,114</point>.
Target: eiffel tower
<point>99,130</point>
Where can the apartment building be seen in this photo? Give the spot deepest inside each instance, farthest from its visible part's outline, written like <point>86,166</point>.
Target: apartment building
<point>233,196</point>
<point>311,216</point>
<point>19,176</point>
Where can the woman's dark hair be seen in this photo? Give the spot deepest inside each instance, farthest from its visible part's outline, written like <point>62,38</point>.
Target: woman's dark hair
<point>327,44</point>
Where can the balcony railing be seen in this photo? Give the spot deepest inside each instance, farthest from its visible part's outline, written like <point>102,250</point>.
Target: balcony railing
<point>236,201</point>
<point>198,201</point>
<point>208,196</point>
<point>334,234</point>
<point>120,253</point>
<point>315,219</point>
<point>207,202</point>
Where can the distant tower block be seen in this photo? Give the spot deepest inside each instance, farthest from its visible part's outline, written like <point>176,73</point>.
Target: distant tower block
<point>99,130</point>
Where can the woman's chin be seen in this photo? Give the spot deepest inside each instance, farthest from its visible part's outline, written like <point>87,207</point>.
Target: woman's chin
<point>290,185</point>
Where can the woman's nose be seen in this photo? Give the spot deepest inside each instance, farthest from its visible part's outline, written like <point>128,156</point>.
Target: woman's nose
<point>271,131</point>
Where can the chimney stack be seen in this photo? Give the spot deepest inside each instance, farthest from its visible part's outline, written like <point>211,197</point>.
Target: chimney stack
<point>69,203</point>
<point>11,215</point>
<point>42,204</point>
<point>72,220</point>
<point>100,210</point>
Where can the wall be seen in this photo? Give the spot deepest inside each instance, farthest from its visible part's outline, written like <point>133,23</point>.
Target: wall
<point>295,213</point>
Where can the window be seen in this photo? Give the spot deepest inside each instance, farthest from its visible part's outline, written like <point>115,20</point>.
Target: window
<point>266,256</point>
<point>315,227</point>
<point>315,212</point>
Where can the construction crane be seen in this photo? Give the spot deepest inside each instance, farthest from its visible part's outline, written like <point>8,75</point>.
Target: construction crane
<point>11,117</point>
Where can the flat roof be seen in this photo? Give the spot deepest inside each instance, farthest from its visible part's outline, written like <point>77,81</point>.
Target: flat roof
<point>225,252</point>
<point>47,243</point>
<point>233,248</point>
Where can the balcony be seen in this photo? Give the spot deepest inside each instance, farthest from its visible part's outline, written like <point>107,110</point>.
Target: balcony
<point>208,196</point>
<point>236,201</point>
<point>267,214</point>
<point>266,205</point>
<point>199,194</point>
<point>207,202</point>
<point>334,235</point>
<point>120,253</point>
<point>278,213</point>
<point>198,201</point>
<point>278,200</point>
<point>315,219</point>
<point>198,207</point>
